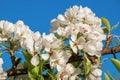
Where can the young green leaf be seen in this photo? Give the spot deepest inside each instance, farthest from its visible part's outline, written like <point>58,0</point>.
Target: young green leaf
<point>105,30</point>
<point>36,70</point>
<point>106,76</point>
<point>115,26</point>
<point>116,63</point>
<point>88,65</point>
<point>106,23</point>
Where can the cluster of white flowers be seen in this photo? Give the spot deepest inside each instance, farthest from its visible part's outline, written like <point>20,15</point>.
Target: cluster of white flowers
<point>29,40</point>
<point>84,30</point>
<point>78,25</point>
<point>83,22</point>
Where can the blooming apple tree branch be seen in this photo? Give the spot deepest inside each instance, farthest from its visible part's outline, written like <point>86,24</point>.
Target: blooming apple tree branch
<point>73,48</point>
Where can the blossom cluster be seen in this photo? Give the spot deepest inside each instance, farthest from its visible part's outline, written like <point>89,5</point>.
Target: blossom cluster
<point>79,26</point>
<point>84,31</point>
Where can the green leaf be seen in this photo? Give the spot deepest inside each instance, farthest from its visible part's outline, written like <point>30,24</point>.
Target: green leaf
<point>35,74</point>
<point>105,30</point>
<point>106,76</point>
<point>115,26</point>
<point>31,75</point>
<point>106,23</point>
<point>86,64</point>
<point>87,67</point>
<point>116,63</point>
<point>36,70</point>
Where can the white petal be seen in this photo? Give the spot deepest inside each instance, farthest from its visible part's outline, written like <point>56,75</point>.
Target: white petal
<point>71,43</point>
<point>74,37</point>
<point>1,61</point>
<point>97,72</point>
<point>74,48</point>
<point>45,56</point>
<point>62,61</point>
<point>77,71</point>
<point>55,25</point>
<point>73,77</point>
<point>80,46</point>
<point>60,68</point>
<point>36,35</point>
<point>61,17</point>
<point>4,74</point>
<point>70,68</point>
<point>35,60</point>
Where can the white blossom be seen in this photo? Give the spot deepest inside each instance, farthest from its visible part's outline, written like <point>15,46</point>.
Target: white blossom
<point>77,43</point>
<point>51,42</point>
<point>69,73</point>
<point>22,31</point>
<point>59,59</point>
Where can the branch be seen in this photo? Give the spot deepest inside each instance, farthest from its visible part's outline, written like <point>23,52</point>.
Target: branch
<point>75,58</point>
<point>13,72</point>
<point>116,49</point>
<point>108,41</point>
<point>112,50</point>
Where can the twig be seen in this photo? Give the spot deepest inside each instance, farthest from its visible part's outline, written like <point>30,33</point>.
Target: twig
<point>13,72</point>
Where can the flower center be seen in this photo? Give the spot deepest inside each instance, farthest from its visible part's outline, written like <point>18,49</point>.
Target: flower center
<point>85,30</point>
<point>61,75</point>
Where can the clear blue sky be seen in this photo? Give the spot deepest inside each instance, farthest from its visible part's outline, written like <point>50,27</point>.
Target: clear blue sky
<point>38,13</point>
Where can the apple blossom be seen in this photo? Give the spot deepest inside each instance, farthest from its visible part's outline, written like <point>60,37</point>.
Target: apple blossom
<point>69,73</point>
<point>51,42</point>
<point>77,44</point>
<point>59,58</point>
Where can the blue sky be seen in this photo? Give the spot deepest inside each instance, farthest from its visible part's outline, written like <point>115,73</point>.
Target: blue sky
<point>38,13</point>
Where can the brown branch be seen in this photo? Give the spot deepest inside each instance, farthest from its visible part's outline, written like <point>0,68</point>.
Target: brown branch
<point>74,58</point>
<point>108,41</point>
<point>116,49</point>
<point>112,50</point>
<point>10,51</point>
<point>13,72</point>
<point>15,62</point>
